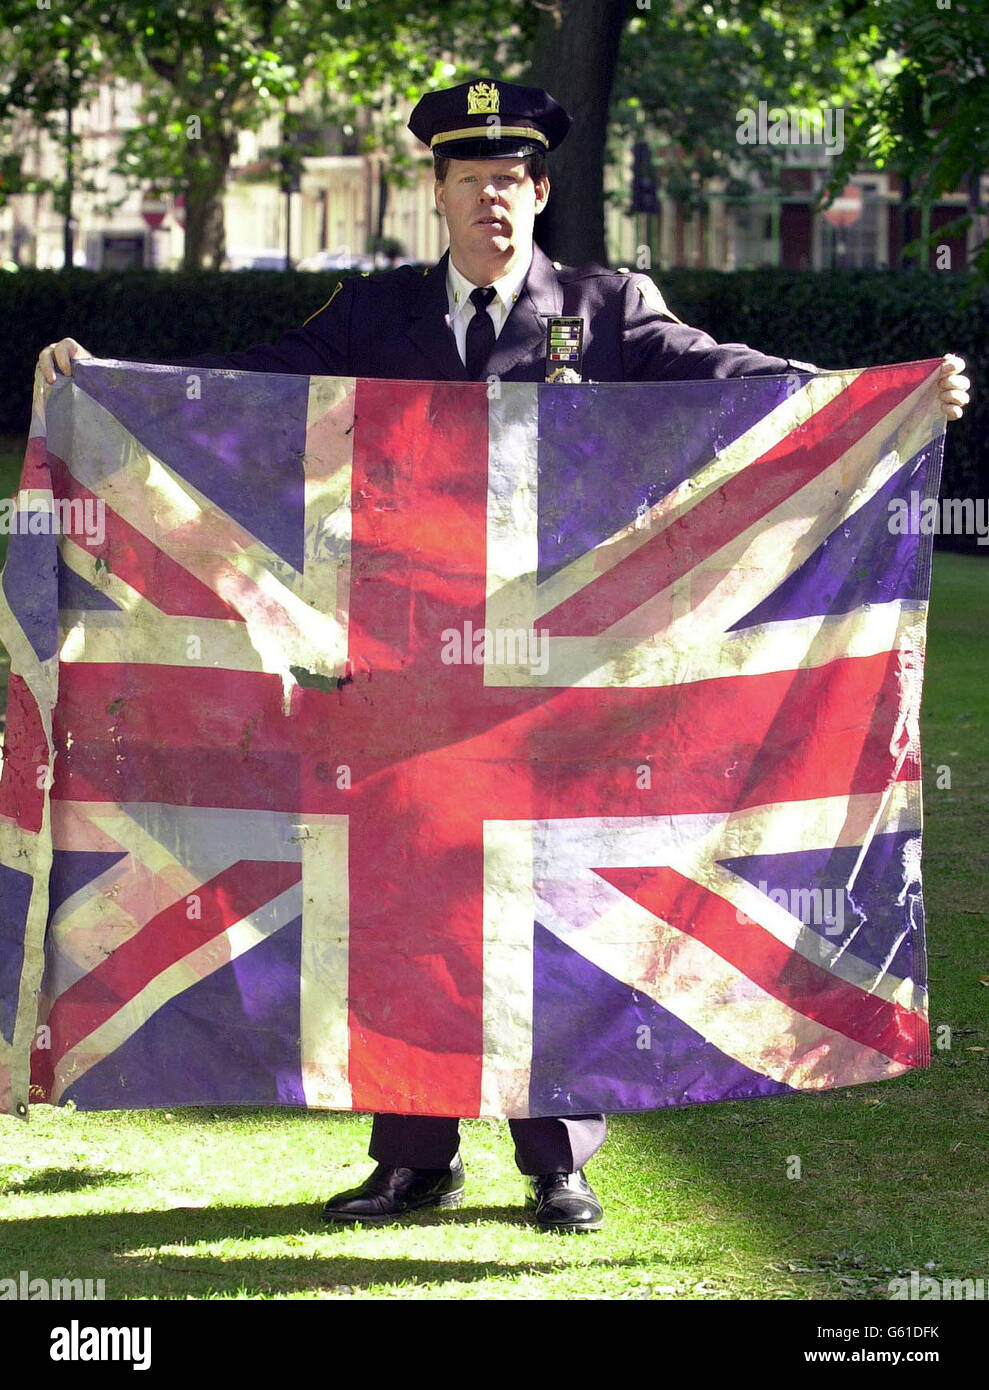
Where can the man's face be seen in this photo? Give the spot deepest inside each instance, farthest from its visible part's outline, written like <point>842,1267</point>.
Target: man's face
<point>490,206</point>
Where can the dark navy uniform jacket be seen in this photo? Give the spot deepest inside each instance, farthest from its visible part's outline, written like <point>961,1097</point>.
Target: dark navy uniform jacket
<point>394,325</point>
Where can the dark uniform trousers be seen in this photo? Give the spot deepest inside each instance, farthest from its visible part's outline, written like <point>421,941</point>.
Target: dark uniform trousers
<point>395,326</point>
<point>555,1144</point>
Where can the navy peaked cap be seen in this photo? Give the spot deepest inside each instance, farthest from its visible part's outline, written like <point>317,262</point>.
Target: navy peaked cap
<point>489,120</point>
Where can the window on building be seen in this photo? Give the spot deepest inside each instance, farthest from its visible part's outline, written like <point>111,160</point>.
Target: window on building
<point>752,238</point>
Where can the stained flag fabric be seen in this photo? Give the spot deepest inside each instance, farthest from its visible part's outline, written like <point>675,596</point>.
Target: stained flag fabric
<point>439,748</point>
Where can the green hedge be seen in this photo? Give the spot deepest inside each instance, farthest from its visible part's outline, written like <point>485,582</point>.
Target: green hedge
<point>834,319</point>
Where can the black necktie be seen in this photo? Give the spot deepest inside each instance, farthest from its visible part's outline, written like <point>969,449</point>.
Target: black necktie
<point>480,333</point>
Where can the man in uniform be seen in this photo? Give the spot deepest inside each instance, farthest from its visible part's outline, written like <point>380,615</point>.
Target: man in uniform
<point>482,312</point>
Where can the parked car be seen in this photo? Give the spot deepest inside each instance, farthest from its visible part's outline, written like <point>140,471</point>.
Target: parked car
<point>336,260</point>
<point>258,258</point>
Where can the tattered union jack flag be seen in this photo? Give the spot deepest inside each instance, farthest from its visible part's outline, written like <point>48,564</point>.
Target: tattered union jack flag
<point>381,745</point>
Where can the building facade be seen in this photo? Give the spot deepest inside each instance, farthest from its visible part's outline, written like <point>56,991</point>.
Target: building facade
<point>343,201</point>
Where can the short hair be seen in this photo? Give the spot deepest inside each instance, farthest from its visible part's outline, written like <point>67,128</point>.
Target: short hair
<point>535,164</point>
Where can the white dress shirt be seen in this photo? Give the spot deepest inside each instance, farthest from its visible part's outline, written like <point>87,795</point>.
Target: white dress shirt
<point>458,288</point>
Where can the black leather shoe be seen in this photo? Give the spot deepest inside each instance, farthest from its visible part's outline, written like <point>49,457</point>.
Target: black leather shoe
<point>390,1192</point>
<point>564,1202</point>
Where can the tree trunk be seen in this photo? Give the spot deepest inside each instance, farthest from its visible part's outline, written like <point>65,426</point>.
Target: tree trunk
<point>574,59</point>
<point>205,232</point>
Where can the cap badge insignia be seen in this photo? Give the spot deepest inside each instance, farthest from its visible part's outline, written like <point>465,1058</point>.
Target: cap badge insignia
<point>482,98</point>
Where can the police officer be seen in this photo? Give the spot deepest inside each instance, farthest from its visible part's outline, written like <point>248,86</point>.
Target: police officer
<point>481,312</point>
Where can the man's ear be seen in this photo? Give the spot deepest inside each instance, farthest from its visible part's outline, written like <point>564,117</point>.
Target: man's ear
<point>542,193</point>
<point>439,197</point>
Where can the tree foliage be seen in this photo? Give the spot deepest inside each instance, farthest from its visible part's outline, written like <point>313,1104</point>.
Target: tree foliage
<point>213,68</point>
<point>687,70</point>
<point>925,115</point>
<point>674,72</point>
<point>50,62</point>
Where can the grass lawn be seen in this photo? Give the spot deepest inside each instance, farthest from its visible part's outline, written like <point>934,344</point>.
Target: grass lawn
<point>224,1204</point>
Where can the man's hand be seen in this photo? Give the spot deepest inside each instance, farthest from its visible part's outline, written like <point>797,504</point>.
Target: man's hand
<point>953,387</point>
<point>60,355</point>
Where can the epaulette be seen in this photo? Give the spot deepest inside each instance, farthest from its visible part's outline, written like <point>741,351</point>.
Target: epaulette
<point>652,296</point>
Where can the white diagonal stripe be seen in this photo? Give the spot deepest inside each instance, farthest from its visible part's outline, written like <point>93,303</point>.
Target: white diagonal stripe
<point>736,456</point>
<point>181,975</point>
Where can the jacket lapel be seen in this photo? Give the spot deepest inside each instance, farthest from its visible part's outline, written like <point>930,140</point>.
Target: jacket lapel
<point>427,326</point>
<point>524,333</point>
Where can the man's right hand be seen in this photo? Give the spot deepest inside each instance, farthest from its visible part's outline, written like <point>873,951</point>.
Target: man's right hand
<point>60,355</point>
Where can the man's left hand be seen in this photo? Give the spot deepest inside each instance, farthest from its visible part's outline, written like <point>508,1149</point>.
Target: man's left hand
<point>953,387</point>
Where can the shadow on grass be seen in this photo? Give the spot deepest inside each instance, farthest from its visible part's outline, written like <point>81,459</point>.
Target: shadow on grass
<point>892,1178</point>
<point>433,1216</point>
<point>110,1247</point>
<point>62,1180</point>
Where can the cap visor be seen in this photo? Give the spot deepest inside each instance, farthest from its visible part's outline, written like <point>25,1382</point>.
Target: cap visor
<point>486,149</point>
